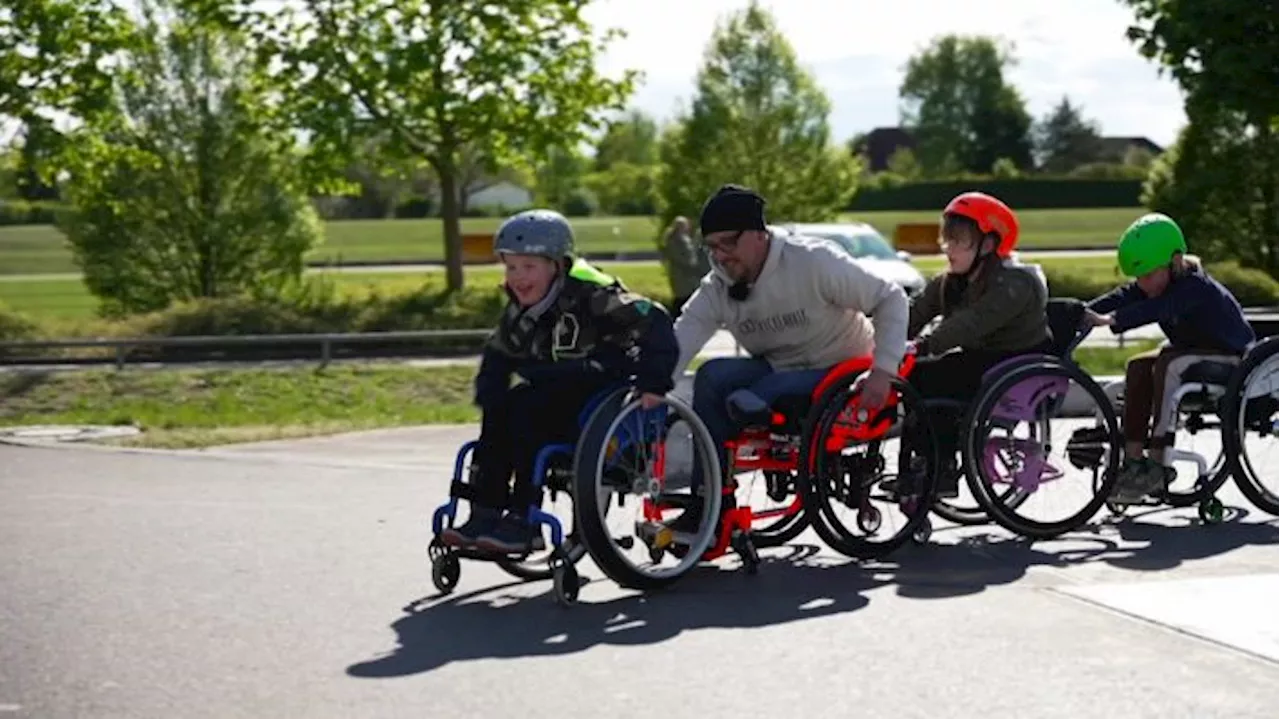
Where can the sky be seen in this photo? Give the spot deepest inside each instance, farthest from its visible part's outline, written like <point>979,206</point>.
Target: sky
<point>856,49</point>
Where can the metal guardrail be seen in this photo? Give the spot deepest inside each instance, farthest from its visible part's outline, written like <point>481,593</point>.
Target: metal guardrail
<point>1265,323</point>
<point>324,342</point>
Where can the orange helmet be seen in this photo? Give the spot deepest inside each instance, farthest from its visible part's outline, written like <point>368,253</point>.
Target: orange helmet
<point>991,214</point>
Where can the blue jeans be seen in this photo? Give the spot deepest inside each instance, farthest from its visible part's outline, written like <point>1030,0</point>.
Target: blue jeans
<point>720,377</point>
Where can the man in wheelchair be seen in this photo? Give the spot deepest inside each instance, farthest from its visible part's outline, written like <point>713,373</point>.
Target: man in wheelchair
<point>799,306</point>
<point>1201,319</point>
<point>568,331</point>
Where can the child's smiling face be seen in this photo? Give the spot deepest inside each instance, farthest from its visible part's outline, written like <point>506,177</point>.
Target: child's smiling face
<point>529,277</point>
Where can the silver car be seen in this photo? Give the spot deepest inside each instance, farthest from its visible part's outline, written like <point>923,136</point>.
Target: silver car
<point>869,247</point>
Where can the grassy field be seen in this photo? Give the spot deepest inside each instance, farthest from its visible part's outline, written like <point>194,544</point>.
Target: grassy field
<point>67,298</point>
<point>42,249</point>
<point>198,408</point>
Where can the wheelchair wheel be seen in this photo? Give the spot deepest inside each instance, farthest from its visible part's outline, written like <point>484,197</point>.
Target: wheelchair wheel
<point>962,510</point>
<point>999,456</point>
<point>620,456</point>
<point>847,463</point>
<point>1250,406</point>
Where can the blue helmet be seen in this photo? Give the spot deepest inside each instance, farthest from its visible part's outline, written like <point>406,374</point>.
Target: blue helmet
<point>535,232</point>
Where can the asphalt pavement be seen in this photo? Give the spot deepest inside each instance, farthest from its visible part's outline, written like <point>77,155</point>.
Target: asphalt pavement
<point>290,579</point>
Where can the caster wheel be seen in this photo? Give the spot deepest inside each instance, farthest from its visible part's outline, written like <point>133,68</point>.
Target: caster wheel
<point>655,554</point>
<point>1117,510</point>
<point>625,542</point>
<point>445,571</point>
<point>565,584</point>
<point>1211,510</point>
<point>922,533</point>
<point>869,520</point>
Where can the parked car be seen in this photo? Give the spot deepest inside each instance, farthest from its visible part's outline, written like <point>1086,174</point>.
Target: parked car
<point>869,247</point>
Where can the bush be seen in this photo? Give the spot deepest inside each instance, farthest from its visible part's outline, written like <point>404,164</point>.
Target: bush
<point>21,212</point>
<point>580,203</point>
<point>1252,288</point>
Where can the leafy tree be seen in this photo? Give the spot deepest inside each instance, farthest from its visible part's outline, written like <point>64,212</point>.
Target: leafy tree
<point>559,176</point>
<point>962,112</point>
<point>1220,180</point>
<point>55,57</point>
<point>625,189</point>
<point>1066,140</point>
<point>632,139</point>
<point>186,187</point>
<point>760,120</point>
<point>504,79</point>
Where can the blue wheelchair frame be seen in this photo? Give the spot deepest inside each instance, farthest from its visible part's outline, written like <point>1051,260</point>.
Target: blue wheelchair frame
<point>445,566</point>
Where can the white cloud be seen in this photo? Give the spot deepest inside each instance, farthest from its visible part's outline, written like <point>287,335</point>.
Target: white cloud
<point>857,48</point>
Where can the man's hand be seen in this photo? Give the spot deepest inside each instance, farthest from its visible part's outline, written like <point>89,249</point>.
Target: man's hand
<point>649,400</point>
<point>1096,320</point>
<point>876,388</point>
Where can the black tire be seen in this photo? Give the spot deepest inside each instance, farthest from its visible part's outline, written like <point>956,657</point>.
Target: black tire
<point>1233,413</point>
<point>816,463</point>
<point>587,461</point>
<point>782,530</point>
<point>1007,516</point>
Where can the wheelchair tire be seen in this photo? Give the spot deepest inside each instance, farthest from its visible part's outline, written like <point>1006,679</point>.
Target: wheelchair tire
<point>814,463</point>
<point>540,569</point>
<point>781,531</point>
<point>1007,516</point>
<point>1233,431</point>
<point>588,462</point>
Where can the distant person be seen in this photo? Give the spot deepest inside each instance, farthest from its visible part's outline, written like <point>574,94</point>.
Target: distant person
<point>686,265</point>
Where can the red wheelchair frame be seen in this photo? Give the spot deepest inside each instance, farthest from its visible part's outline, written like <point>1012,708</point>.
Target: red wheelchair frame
<point>776,449</point>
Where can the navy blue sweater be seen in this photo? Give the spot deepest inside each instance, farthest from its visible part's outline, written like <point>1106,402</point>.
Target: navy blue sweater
<point>1195,312</point>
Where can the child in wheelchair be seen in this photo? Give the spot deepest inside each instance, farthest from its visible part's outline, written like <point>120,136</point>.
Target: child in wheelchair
<point>1200,318</point>
<point>567,333</point>
<point>991,308</point>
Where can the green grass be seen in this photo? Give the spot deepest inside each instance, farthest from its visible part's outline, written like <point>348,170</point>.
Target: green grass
<point>191,408</point>
<point>42,249</point>
<point>182,408</point>
<point>68,299</point>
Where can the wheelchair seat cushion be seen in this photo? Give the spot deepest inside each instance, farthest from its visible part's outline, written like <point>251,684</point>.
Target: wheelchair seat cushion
<point>793,406</point>
<point>1209,372</point>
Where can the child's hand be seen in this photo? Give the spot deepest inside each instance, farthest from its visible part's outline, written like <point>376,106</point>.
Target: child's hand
<point>649,400</point>
<point>1097,320</point>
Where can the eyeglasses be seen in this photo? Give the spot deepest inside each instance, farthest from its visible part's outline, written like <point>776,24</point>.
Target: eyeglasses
<point>724,246</point>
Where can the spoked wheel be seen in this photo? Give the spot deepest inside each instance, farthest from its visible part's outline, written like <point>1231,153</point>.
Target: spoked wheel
<point>1027,436</point>
<point>1250,426</point>
<point>621,461</point>
<point>853,449</point>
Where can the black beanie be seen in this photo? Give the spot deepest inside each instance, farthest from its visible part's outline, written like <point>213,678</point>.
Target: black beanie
<point>732,207</point>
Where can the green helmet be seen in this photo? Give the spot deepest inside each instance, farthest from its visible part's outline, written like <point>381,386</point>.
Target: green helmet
<point>1149,244</point>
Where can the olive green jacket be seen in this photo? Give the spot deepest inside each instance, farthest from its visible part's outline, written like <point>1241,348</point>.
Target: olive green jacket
<point>1005,314</point>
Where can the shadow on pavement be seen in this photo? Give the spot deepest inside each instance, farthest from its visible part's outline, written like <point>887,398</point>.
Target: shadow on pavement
<point>797,584</point>
<point>491,624</point>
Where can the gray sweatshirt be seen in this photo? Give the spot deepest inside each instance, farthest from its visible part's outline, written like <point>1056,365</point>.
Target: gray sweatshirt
<point>807,310</point>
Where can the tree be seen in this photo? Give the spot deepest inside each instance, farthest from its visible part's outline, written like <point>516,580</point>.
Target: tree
<point>186,188</point>
<point>504,79</point>
<point>55,58</point>
<point>962,113</point>
<point>1065,140</point>
<point>1220,181</point>
<point>760,120</point>
<point>632,139</point>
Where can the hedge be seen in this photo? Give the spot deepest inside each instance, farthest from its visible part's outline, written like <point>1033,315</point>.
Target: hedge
<point>1026,194</point>
<point>21,212</point>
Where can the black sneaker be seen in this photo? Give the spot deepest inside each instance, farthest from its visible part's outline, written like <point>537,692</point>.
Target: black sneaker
<point>511,535</point>
<point>482,520</point>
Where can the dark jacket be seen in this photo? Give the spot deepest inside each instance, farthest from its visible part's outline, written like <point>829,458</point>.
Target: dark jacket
<point>595,330</point>
<point>1194,312</point>
<point>1003,313</point>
